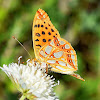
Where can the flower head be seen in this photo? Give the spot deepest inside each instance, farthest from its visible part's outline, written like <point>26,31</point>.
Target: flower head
<point>31,81</point>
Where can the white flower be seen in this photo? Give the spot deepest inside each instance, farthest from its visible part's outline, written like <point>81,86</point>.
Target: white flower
<point>31,81</point>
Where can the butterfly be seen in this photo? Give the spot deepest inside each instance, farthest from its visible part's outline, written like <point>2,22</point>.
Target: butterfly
<point>50,48</point>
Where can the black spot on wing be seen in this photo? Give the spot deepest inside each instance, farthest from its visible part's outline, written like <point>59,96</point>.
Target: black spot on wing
<point>49,40</point>
<point>44,40</point>
<point>35,25</point>
<point>38,45</point>
<point>42,26</point>
<point>46,28</point>
<point>52,30</point>
<point>43,32</point>
<point>53,36</point>
<point>37,40</point>
<point>49,33</point>
<point>37,34</point>
<point>38,25</point>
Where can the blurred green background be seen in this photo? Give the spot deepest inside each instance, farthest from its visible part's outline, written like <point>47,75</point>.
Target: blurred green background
<point>78,21</point>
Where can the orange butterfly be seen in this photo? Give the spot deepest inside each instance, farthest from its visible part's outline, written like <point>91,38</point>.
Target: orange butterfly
<point>50,48</point>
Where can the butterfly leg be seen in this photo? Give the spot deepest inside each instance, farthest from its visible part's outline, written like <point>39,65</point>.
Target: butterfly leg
<point>77,76</point>
<point>33,60</point>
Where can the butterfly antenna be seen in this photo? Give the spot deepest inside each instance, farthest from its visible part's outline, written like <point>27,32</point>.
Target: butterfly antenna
<point>22,46</point>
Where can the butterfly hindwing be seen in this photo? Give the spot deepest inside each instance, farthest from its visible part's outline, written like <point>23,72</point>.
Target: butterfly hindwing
<point>60,55</point>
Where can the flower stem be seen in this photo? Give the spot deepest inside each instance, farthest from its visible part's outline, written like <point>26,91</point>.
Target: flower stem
<point>22,97</point>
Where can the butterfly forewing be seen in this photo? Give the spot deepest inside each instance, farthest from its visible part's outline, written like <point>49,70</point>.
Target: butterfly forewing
<point>43,31</point>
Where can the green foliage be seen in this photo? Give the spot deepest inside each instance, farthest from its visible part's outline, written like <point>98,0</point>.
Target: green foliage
<point>78,21</point>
